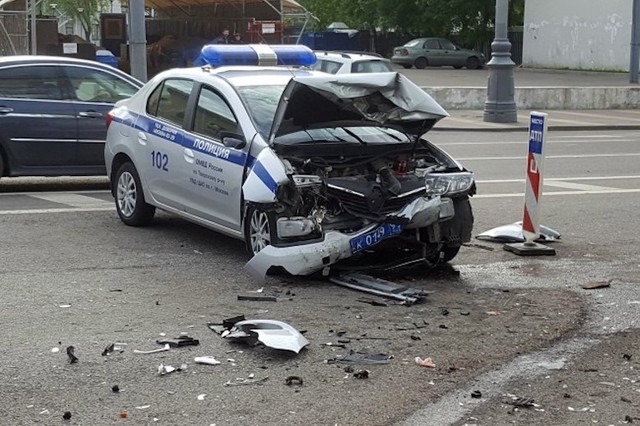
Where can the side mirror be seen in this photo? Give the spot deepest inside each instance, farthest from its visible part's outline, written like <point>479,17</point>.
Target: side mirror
<point>233,140</point>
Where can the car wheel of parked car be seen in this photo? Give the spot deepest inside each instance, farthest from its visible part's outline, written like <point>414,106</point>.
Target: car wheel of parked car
<point>259,229</point>
<point>132,208</point>
<point>421,63</point>
<point>473,63</point>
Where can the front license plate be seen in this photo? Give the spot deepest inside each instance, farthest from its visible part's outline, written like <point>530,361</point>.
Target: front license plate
<point>372,238</point>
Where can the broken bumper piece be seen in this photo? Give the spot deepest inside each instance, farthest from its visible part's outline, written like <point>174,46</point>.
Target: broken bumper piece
<point>271,333</point>
<point>306,259</point>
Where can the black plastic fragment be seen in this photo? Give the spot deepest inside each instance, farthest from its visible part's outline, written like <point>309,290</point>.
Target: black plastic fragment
<point>179,341</point>
<point>293,380</point>
<point>108,350</point>
<point>362,374</point>
<point>476,394</point>
<point>67,415</point>
<point>72,357</point>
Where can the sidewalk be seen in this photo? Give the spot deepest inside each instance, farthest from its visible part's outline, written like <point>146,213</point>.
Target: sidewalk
<point>574,100</point>
<point>574,120</point>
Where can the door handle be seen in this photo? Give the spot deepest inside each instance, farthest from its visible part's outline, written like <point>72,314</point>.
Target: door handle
<point>142,138</point>
<point>189,156</point>
<point>5,110</point>
<point>90,114</point>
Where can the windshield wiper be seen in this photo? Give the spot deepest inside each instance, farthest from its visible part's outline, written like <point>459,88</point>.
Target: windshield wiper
<point>356,137</point>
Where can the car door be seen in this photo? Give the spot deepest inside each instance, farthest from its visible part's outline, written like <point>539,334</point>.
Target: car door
<point>161,136</point>
<point>93,93</point>
<point>37,127</point>
<point>214,171</point>
<point>451,55</point>
<point>433,52</point>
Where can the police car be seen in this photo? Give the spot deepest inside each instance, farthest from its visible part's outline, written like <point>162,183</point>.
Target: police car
<point>308,168</point>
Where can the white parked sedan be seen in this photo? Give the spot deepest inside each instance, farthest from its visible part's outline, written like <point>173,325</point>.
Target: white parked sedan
<point>308,168</point>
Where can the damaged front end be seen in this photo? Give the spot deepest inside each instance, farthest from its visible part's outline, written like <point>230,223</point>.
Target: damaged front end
<point>360,177</point>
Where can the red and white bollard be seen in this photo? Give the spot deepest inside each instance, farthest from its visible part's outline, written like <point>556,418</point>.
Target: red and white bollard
<point>533,190</point>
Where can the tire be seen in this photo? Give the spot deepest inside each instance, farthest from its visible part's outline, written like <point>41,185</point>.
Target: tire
<point>473,63</point>
<point>130,204</point>
<point>448,253</point>
<point>259,229</point>
<point>421,63</point>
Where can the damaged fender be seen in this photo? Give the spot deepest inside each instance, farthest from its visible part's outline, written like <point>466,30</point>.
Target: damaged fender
<point>265,175</point>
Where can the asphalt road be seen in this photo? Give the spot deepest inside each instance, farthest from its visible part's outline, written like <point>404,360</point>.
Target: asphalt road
<point>72,274</point>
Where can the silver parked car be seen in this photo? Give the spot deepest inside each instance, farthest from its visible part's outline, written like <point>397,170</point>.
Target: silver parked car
<point>308,168</point>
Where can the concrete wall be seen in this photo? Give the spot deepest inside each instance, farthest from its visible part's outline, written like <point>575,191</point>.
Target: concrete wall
<point>577,34</point>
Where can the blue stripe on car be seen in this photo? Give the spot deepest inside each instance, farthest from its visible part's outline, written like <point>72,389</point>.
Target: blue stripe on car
<point>215,149</point>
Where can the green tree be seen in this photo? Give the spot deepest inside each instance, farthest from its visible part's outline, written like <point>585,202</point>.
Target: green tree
<point>84,11</point>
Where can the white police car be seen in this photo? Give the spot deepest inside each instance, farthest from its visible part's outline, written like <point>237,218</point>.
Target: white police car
<point>307,168</point>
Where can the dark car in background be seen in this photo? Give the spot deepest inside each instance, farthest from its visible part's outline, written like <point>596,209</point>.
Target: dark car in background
<point>436,52</point>
<point>53,112</point>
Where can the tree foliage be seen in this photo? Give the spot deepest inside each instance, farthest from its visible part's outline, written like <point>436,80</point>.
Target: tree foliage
<point>84,11</point>
<point>472,21</point>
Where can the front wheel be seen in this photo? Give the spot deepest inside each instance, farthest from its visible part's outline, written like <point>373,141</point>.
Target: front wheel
<point>130,204</point>
<point>259,229</point>
<point>473,63</point>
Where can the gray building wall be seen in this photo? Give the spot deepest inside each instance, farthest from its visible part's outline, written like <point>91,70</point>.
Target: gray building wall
<point>577,34</point>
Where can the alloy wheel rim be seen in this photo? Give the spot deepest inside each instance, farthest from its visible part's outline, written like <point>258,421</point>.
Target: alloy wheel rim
<point>259,232</point>
<point>126,194</point>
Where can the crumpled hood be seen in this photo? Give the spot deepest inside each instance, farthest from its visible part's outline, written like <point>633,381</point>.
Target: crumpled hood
<point>355,99</point>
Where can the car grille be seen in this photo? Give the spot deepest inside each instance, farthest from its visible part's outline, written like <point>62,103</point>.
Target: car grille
<point>367,206</point>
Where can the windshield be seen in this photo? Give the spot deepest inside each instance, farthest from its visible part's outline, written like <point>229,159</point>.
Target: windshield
<point>413,43</point>
<point>347,134</point>
<point>261,103</point>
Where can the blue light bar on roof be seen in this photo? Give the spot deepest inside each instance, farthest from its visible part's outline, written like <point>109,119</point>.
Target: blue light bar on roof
<point>218,55</point>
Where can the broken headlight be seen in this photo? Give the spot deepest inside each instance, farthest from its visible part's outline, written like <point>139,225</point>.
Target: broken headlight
<point>448,183</point>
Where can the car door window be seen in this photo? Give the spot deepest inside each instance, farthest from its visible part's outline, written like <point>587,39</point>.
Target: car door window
<point>169,100</point>
<point>91,85</point>
<point>371,66</point>
<point>447,45</point>
<point>213,115</point>
<point>330,67</point>
<point>431,44</point>
<point>32,82</point>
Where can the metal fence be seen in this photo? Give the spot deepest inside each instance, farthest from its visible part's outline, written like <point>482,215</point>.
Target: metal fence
<point>14,33</point>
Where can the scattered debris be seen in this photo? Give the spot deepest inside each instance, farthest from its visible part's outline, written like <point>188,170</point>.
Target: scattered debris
<point>513,234</point>
<point>627,357</point>
<point>293,380</point>
<point>258,298</point>
<point>65,306</point>
<point>201,396</point>
<point>209,360</point>
<point>371,302</point>
<point>271,333</point>
<point>250,381</point>
<point>443,326</point>
<point>115,388</point>
<point>476,394</point>
<point>70,353</point>
<point>67,415</point>
<point>167,369</point>
<point>493,313</point>
<point>444,311</point>
<point>522,402</point>
<point>179,341</point>
<point>465,313</point>
<point>154,351</point>
<point>348,369</point>
<point>142,407</point>
<point>123,415</point>
<point>361,358</point>
<point>362,374</point>
<point>414,337</point>
<point>108,350</point>
<point>55,350</point>
<point>380,287</point>
<point>597,284</point>
<point>426,362</point>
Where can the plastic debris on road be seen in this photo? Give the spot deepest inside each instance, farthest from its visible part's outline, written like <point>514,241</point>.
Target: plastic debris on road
<point>425,362</point>
<point>153,351</point>
<point>209,360</point>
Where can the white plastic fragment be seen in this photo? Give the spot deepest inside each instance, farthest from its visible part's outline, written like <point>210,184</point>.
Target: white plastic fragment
<point>209,360</point>
<point>154,351</point>
<point>55,350</point>
<point>45,411</point>
<point>65,306</point>
<point>167,369</point>
<point>143,407</point>
<point>202,396</point>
